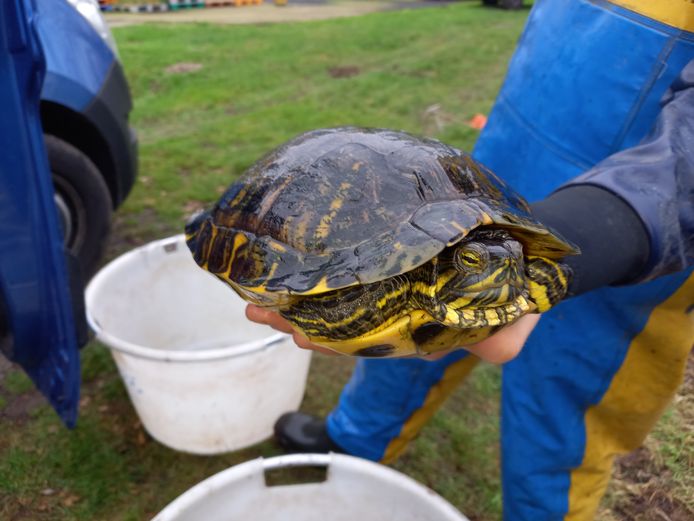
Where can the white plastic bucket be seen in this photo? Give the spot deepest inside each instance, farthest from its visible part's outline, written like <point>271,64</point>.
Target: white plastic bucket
<point>202,378</point>
<point>355,489</point>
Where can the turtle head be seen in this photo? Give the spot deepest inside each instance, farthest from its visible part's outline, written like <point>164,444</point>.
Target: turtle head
<point>478,282</point>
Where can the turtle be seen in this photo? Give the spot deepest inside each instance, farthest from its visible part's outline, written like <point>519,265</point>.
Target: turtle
<point>379,243</point>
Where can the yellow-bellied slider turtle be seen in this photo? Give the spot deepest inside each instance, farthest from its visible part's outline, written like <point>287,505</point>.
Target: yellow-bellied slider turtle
<point>379,243</point>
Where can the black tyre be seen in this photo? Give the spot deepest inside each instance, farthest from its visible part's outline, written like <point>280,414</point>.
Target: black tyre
<point>511,4</point>
<point>83,202</point>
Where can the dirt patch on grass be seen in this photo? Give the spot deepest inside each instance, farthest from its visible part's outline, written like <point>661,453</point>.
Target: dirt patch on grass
<point>16,407</point>
<point>642,491</point>
<point>344,72</point>
<point>643,486</point>
<point>183,68</point>
<point>19,408</point>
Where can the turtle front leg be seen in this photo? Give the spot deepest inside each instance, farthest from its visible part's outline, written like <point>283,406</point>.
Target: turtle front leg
<point>548,281</point>
<point>486,316</point>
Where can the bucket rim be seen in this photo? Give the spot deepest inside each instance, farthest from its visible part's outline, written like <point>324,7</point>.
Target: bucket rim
<point>150,353</point>
<point>254,470</point>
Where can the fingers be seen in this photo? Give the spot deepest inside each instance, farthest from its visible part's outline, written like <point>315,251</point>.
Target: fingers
<point>269,318</point>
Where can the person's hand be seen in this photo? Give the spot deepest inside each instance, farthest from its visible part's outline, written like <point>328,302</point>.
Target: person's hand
<point>503,346</point>
<point>497,349</point>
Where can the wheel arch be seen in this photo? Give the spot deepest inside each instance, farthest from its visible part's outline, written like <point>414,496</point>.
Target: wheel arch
<point>74,128</point>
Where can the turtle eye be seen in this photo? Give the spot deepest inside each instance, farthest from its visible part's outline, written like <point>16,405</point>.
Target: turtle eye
<point>470,258</point>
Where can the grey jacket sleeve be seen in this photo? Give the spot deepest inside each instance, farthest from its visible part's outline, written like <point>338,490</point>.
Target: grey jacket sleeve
<point>632,214</point>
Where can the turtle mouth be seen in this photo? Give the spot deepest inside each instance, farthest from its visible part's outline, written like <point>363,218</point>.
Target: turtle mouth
<point>492,295</point>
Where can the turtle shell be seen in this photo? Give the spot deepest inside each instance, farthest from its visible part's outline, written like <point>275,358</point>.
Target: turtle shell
<point>338,207</point>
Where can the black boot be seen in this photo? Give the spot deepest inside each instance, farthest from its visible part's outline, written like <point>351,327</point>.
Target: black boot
<point>301,432</point>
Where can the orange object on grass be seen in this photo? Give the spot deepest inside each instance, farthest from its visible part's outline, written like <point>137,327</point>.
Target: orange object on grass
<point>478,121</point>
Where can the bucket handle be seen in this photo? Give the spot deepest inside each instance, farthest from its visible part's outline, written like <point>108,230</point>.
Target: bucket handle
<point>296,461</point>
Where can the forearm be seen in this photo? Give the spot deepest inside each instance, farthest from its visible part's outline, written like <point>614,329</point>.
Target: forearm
<point>613,240</point>
<point>632,215</point>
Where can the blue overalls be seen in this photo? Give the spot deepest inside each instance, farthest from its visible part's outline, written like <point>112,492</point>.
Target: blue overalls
<point>598,371</point>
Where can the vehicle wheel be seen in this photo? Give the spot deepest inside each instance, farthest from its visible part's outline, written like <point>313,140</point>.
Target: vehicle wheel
<point>83,202</point>
<point>511,4</point>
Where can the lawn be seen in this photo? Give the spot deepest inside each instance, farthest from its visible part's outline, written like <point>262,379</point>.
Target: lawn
<point>209,100</point>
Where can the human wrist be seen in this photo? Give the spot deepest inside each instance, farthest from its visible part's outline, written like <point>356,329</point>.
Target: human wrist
<point>613,241</point>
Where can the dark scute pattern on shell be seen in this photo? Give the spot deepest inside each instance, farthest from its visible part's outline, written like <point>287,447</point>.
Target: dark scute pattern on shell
<point>329,190</point>
<point>359,205</point>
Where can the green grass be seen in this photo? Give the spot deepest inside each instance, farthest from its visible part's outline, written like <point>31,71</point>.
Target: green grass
<point>17,383</point>
<point>260,85</point>
<point>673,441</point>
<point>426,71</point>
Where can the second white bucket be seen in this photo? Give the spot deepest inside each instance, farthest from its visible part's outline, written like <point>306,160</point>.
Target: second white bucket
<point>202,378</point>
<point>354,489</point>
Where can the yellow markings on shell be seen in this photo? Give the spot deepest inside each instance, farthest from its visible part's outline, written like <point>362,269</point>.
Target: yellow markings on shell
<point>239,196</point>
<point>301,231</point>
<point>356,166</point>
<point>268,277</point>
<point>277,246</point>
<point>208,248</point>
<point>336,205</point>
<point>459,228</point>
<point>323,227</point>
<point>239,240</point>
<point>320,287</point>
